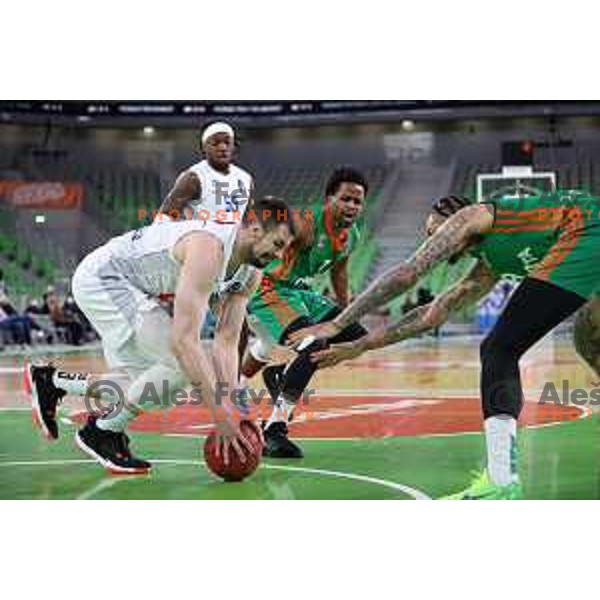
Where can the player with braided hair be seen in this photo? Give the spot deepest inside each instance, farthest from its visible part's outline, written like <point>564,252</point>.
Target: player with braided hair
<point>551,242</point>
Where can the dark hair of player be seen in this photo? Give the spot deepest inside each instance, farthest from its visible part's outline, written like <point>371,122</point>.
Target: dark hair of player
<point>345,175</point>
<point>271,212</point>
<point>449,205</point>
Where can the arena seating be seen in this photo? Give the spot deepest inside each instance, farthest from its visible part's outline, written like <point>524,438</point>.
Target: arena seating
<point>24,273</point>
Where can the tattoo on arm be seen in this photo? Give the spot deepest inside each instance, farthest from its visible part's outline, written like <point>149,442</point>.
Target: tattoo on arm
<point>452,237</point>
<point>470,289</point>
<point>186,189</point>
<point>392,283</point>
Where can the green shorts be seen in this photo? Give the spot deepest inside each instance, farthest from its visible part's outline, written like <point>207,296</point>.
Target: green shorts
<point>573,262</point>
<point>274,307</point>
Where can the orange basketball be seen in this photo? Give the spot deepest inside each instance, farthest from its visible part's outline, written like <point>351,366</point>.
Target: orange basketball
<point>236,470</point>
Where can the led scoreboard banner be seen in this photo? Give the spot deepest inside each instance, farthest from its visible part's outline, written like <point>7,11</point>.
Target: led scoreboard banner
<point>232,108</point>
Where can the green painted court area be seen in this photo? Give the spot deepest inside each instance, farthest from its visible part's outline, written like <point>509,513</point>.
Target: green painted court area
<point>560,461</point>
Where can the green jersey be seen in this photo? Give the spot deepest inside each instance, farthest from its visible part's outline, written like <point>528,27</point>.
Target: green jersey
<point>555,233</point>
<point>285,294</point>
<point>300,266</point>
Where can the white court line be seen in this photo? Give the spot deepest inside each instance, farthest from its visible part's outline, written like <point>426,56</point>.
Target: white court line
<point>414,493</point>
<point>45,463</point>
<point>399,487</point>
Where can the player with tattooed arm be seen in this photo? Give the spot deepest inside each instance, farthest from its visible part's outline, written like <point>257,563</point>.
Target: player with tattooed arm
<point>552,242</point>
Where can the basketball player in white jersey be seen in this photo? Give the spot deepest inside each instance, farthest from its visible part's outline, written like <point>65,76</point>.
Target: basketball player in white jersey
<point>214,188</point>
<point>118,288</point>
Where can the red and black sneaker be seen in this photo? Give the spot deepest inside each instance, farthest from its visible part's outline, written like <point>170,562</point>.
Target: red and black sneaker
<point>110,449</point>
<point>45,397</point>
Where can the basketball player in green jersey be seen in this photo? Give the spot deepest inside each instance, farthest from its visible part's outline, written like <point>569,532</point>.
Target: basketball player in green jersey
<point>286,302</point>
<point>553,243</point>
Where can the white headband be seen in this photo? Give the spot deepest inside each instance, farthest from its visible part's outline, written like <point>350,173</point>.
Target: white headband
<point>217,128</point>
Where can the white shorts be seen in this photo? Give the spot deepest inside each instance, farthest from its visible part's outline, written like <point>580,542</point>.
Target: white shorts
<point>263,345</point>
<point>134,328</point>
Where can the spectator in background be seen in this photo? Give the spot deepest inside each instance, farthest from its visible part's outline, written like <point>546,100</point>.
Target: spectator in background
<point>72,309</point>
<point>45,309</point>
<point>33,308</point>
<point>63,320</point>
<point>17,326</point>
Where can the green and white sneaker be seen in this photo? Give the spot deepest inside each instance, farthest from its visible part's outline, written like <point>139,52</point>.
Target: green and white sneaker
<point>482,488</point>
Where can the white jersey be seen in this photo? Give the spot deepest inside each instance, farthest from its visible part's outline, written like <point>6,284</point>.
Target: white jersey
<point>221,195</point>
<point>144,257</point>
<point>118,286</point>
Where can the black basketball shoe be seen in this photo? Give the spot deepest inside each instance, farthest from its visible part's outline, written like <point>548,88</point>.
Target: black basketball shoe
<point>278,444</point>
<point>45,397</point>
<point>110,449</point>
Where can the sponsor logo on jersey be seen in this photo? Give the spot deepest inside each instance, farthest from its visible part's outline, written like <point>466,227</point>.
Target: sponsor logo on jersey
<point>528,259</point>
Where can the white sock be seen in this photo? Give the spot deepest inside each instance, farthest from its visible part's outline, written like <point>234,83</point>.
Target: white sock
<point>75,384</point>
<point>501,441</point>
<point>124,412</point>
<point>282,412</point>
<point>119,421</point>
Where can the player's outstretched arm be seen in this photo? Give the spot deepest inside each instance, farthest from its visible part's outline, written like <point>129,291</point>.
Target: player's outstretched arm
<point>227,335</point>
<point>201,256</point>
<point>474,286</point>
<point>470,289</point>
<point>450,239</point>
<point>186,188</point>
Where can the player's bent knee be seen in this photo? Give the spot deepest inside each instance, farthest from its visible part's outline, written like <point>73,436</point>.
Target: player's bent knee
<point>493,348</point>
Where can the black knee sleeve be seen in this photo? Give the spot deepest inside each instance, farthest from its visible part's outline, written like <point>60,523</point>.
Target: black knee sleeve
<point>533,310</point>
<point>299,373</point>
<point>501,391</point>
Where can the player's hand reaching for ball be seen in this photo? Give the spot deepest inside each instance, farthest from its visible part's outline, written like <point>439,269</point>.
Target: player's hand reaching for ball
<point>230,439</point>
<point>336,354</point>
<point>320,331</point>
